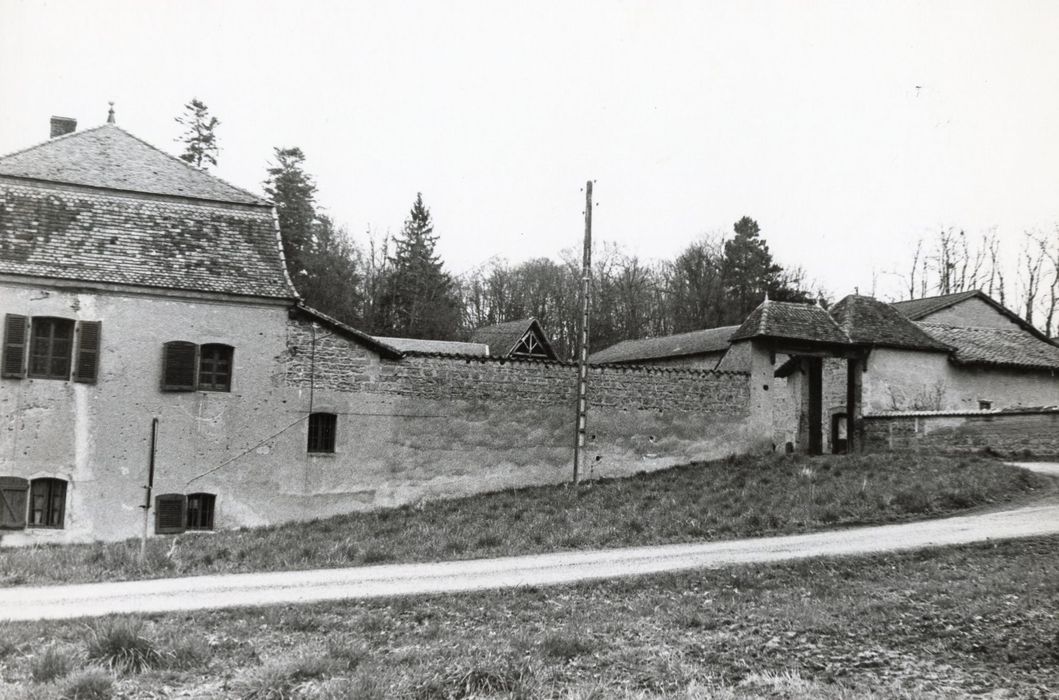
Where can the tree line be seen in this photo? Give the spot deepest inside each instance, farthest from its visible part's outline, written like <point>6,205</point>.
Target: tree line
<point>398,285</point>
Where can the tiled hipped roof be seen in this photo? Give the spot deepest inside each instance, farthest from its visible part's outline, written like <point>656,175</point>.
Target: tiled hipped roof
<point>916,309</point>
<point>996,347</point>
<point>787,320</point>
<point>109,157</point>
<point>91,236</point>
<point>868,321</point>
<point>679,345</point>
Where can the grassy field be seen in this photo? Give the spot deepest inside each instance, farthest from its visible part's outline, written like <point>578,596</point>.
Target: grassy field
<point>935,623</point>
<point>739,497</point>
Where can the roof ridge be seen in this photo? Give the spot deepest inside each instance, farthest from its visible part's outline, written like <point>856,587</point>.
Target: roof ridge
<point>54,139</point>
<point>940,296</point>
<point>187,165</point>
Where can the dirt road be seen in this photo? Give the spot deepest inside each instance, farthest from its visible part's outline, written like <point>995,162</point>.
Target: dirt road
<point>160,595</point>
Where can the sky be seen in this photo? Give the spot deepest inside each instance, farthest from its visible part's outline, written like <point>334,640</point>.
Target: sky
<point>848,130</point>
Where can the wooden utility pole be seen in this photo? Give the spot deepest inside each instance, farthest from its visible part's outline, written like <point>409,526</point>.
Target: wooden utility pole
<point>582,352</point>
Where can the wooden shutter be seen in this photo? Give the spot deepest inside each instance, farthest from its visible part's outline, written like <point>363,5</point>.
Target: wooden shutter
<point>13,502</point>
<point>15,335</point>
<point>178,366</point>
<point>86,362</point>
<point>169,513</point>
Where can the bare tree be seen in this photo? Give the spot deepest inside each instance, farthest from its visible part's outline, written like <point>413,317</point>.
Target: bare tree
<point>1030,271</point>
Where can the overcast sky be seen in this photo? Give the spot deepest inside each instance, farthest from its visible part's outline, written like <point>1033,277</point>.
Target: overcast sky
<point>847,130</point>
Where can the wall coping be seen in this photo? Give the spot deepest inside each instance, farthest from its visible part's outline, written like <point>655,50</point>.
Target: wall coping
<point>649,369</point>
<point>1030,410</point>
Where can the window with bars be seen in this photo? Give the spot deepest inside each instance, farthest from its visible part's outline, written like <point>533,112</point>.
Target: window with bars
<point>200,511</point>
<point>47,503</point>
<point>322,432</point>
<point>189,367</point>
<point>46,347</point>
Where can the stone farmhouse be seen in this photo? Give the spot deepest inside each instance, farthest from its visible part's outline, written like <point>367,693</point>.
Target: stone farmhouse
<point>149,320</point>
<point>151,337</point>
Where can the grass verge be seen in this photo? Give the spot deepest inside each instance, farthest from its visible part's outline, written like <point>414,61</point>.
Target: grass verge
<point>737,497</point>
<point>959,621</point>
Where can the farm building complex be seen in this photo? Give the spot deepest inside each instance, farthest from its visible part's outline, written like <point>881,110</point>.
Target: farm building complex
<point>149,320</point>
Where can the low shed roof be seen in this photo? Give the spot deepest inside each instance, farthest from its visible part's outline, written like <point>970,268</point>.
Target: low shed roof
<point>709,340</point>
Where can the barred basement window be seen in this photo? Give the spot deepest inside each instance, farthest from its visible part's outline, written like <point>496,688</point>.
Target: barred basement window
<point>47,503</point>
<point>200,511</point>
<point>169,512</point>
<point>322,432</point>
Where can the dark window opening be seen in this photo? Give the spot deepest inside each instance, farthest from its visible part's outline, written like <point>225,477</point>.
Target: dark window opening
<point>51,345</point>
<point>985,405</point>
<point>215,367</point>
<point>322,432</point>
<point>200,511</point>
<point>47,502</point>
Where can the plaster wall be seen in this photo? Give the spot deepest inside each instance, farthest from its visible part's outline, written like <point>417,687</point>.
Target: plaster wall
<point>97,436</point>
<point>971,312</point>
<point>904,380</point>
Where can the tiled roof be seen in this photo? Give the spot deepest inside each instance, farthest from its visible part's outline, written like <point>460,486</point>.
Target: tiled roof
<point>916,309</point>
<point>96,236</point>
<point>502,337</point>
<point>996,346</point>
<point>107,156</point>
<point>694,343</point>
<point>440,347</point>
<point>871,322</point>
<point>791,321</point>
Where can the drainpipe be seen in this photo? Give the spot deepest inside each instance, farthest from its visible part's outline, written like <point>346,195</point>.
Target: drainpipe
<point>150,484</point>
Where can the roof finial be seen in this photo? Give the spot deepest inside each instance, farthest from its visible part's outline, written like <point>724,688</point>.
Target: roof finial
<point>110,114</point>
<point>856,290</point>
<point>766,295</point>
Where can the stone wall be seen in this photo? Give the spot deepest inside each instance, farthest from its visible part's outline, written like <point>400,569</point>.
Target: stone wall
<point>429,426</point>
<point>1012,434</point>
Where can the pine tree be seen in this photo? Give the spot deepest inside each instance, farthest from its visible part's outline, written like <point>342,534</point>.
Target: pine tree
<point>293,192</point>
<point>199,137</point>
<point>422,301</point>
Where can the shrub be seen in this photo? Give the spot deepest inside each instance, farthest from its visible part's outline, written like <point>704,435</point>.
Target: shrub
<point>119,645</point>
<point>88,684</point>
<point>55,662</point>
<point>185,652</point>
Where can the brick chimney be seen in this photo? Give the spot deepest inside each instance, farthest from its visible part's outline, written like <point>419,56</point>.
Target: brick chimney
<point>60,126</point>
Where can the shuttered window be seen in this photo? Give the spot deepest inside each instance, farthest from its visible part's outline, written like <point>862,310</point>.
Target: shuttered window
<point>169,512</point>
<point>50,345</point>
<point>215,367</point>
<point>178,366</point>
<point>13,492</point>
<point>200,511</point>
<point>187,366</point>
<point>322,432</point>
<point>13,362</point>
<point>47,503</point>
<point>86,365</point>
